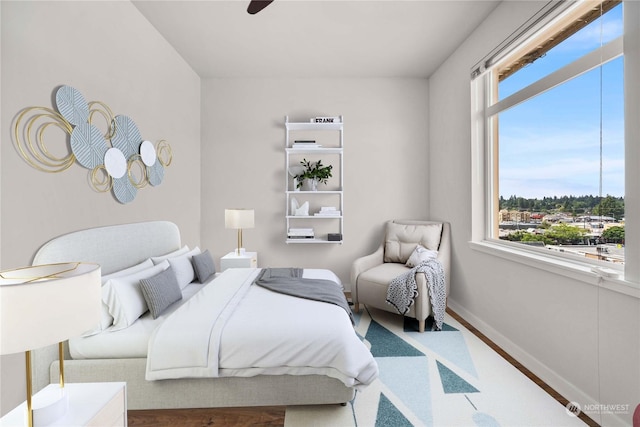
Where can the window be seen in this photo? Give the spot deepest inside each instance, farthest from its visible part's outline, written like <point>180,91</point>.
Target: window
<point>550,104</point>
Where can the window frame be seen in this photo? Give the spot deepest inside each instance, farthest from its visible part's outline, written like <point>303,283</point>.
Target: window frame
<point>484,151</point>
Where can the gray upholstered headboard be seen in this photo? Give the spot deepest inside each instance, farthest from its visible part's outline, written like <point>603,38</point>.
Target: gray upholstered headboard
<point>113,247</point>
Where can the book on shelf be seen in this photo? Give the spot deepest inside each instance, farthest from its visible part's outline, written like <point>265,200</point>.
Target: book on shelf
<point>328,211</point>
<point>325,119</point>
<point>301,233</point>
<point>305,144</point>
<point>301,230</point>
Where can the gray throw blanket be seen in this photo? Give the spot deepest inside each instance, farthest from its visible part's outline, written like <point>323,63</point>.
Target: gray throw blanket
<point>289,281</point>
<point>403,290</point>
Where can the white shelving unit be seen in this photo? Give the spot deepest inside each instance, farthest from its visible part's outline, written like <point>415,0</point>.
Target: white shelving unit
<point>331,153</point>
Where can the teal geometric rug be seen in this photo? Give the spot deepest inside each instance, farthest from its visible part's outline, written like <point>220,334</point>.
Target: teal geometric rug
<point>444,378</point>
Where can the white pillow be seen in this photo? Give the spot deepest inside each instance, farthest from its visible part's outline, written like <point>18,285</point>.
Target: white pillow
<point>106,319</point>
<point>147,263</point>
<point>158,259</point>
<point>420,254</point>
<point>124,297</point>
<point>183,268</point>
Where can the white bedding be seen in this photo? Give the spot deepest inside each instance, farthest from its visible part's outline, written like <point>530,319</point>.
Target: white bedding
<point>234,328</point>
<point>132,342</point>
<point>125,343</point>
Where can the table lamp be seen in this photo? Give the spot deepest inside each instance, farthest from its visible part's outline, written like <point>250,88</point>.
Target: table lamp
<point>239,219</point>
<point>43,305</point>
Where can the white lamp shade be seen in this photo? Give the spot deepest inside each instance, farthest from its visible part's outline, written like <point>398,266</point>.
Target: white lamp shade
<point>238,218</point>
<point>63,303</point>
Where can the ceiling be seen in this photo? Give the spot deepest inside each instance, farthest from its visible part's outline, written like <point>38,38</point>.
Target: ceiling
<point>316,39</point>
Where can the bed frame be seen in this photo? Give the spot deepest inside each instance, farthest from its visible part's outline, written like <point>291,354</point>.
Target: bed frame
<point>119,246</point>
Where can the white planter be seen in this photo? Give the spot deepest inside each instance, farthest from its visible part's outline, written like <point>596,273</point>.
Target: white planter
<point>310,185</point>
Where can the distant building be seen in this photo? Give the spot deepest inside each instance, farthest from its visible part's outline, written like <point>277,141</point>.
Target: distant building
<point>595,218</point>
<point>558,217</point>
<point>514,216</point>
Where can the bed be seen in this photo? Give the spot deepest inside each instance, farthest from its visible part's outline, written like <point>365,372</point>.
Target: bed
<point>237,376</point>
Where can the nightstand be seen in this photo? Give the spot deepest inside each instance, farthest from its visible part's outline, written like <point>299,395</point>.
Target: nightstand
<point>90,404</point>
<point>244,260</point>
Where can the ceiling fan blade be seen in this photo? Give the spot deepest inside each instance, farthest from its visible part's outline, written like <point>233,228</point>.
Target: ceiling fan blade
<point>256,6</point>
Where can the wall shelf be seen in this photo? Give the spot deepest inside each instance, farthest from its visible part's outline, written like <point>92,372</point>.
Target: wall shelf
<point>331,152</point>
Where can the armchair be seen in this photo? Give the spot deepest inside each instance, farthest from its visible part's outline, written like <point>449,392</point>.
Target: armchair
<point>371,274</point>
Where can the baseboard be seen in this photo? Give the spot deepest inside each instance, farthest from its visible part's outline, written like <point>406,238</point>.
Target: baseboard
<point>542,371</point>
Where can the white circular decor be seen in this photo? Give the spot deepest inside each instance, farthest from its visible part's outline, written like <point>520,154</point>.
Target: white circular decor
<point>148,153</point>
<point>115,163</point>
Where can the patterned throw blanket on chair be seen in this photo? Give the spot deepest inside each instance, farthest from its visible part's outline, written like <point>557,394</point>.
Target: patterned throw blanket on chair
<point>403,290</point>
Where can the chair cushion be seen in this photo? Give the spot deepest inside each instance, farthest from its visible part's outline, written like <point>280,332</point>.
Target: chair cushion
<point>382,274</point>
<point>401,240</point>
<point>373,284</point>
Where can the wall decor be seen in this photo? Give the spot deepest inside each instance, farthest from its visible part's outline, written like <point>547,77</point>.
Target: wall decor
<point>119,160</point>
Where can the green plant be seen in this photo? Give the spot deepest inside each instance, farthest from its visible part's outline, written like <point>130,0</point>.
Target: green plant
<point>314,171</point>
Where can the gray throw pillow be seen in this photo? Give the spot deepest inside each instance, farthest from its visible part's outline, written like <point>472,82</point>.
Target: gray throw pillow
<point>160,291</point>
<point>203,266</point>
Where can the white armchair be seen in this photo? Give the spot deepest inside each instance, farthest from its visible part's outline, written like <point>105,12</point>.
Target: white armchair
<point>371,274</point>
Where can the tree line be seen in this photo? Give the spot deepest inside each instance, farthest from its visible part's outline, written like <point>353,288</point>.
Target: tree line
<point>573,205</point>
<point>565,234</point>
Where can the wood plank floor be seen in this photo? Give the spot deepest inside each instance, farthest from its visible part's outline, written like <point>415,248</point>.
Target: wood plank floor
<point>273,416</point>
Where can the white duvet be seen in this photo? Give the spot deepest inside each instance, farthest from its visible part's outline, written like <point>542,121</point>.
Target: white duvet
<point>234,328</point>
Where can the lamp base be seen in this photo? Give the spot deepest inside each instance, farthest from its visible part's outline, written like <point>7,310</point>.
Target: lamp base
<point>50,405</point>
<point>239,251</point>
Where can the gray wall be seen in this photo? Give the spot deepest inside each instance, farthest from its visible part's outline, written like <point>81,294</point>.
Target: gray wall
<point>386,160</point>
<point>582,339</point>
<point>109,52</point>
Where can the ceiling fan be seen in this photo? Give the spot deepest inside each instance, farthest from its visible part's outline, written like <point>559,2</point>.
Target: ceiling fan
<point>256,6</point>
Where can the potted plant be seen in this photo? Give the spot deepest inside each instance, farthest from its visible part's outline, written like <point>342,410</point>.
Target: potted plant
<point>314,172</point>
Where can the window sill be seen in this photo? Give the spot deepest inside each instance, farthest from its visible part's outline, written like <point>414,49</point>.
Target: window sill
<point>606,278</point>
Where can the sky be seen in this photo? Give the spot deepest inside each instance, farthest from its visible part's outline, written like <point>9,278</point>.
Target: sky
<point>550,145</point>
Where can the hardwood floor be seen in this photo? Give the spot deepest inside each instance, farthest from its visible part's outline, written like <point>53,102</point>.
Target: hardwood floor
<point>274,415</point>
<point>271,416</point>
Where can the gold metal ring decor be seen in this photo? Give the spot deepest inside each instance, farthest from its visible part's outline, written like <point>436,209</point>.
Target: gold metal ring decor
<point>118,159</point>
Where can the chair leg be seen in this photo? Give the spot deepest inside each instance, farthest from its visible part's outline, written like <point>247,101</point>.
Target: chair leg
<point>356,308</point>
<point>421,324</point>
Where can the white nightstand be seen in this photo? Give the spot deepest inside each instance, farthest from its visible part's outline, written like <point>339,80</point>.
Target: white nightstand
<point>244,260</point>
<point>90,404</point>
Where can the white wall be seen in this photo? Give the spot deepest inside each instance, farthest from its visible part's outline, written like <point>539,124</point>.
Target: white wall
<point>386,161</point>
<point>111,53</point>
<point>581,339</point>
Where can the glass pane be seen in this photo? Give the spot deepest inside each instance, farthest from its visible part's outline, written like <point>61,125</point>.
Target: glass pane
<point>551,158</point>
<point>599,32</point>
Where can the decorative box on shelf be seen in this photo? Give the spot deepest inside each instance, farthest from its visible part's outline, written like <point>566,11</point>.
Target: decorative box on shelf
<point>334,237</point>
